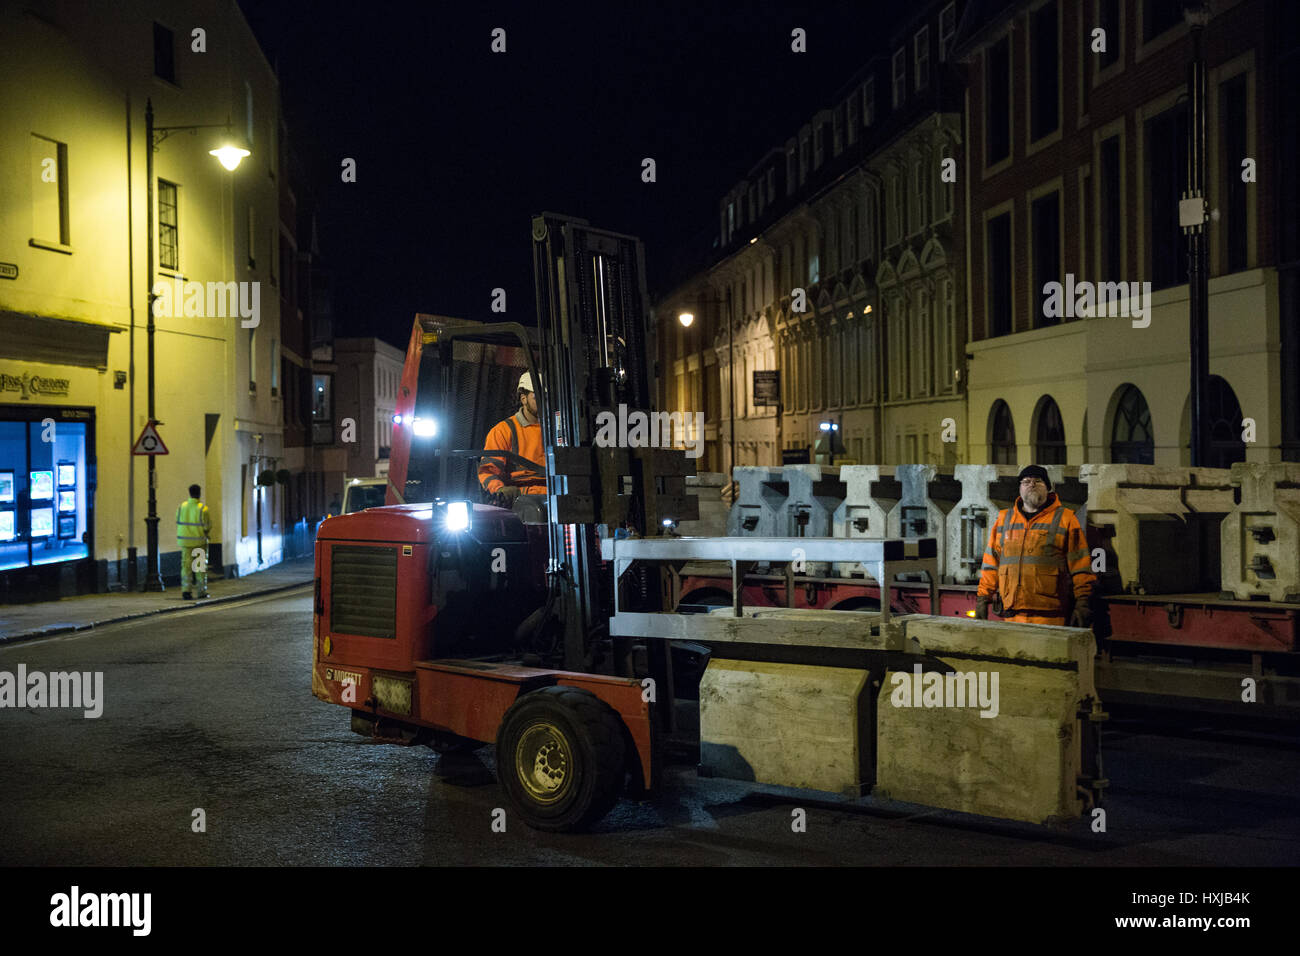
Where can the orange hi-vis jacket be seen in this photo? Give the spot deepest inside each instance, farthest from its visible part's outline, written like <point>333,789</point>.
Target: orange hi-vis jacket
<point>1037,561</point>
<point>514,435</point>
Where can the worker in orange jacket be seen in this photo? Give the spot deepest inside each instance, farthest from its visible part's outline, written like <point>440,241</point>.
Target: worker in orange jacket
<point>1037,560</point>
<point>521,434</point>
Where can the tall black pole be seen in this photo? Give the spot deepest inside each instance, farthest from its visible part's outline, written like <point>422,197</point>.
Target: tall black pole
<point>731,360</point>
<point>1195,227</point>
<point>152,578</point>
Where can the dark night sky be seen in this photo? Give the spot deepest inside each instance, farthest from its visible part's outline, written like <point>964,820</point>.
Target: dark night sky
<point>457,147</point>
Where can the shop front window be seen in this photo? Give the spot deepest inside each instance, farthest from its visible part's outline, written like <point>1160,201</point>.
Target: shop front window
<point>45,498</point>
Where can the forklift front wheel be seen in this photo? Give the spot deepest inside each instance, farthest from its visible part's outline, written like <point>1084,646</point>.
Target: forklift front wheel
<point>560,758</point>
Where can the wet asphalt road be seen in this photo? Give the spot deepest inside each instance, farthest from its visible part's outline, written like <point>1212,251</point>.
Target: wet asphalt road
<point>212,709</point>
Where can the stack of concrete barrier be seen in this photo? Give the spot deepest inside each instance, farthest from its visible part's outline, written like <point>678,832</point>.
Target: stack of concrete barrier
<point>1261,535</point>
<point>712,523</point>
<point>1157,526</point>
<point>986,490</point>
<point>759,509</point>
<point>871,492</point>
<point>976,716</point>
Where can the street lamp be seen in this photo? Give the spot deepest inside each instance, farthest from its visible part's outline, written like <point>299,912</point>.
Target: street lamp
<point>685,318</point>
<point>229,154</point>
<point>830,428</point>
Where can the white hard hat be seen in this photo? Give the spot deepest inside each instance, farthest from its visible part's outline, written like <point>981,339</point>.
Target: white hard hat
<point>526,382</point>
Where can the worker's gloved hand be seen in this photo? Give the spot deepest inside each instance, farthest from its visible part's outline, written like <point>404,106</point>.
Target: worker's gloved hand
<point>982,608</point>
<point>508,495</point>
<point>1082,617</point>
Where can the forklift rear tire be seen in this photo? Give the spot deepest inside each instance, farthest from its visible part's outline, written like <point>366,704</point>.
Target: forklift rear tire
<point>560,758</point>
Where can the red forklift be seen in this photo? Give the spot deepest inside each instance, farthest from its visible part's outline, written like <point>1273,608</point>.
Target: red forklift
<point>449,620</point>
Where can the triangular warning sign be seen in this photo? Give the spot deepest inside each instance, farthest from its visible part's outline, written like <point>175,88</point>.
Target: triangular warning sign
<point>149,442</point>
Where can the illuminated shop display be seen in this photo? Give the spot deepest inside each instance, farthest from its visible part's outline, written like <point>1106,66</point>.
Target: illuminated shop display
<point>46,485</point>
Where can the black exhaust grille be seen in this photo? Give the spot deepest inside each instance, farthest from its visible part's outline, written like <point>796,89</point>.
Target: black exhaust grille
<point>363,591</point>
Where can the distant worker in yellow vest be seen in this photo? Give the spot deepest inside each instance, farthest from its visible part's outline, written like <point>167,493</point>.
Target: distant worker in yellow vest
<point>521,434</point>
<point>193,526</point>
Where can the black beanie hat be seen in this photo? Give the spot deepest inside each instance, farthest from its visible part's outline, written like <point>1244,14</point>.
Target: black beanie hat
<point>1035,471</point>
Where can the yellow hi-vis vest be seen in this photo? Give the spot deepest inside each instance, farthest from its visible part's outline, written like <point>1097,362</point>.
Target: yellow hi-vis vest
<point>193,523</point>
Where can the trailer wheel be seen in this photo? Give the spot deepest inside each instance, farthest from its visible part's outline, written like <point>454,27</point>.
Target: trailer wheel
<point>560,758</point>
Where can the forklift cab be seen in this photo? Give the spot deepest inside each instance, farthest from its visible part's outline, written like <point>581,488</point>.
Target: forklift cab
<point>459,380</point>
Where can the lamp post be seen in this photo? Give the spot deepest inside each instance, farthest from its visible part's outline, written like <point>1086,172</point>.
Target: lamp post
<point>830,428</point>
<point>229,156</point>
<point>1192,219</point>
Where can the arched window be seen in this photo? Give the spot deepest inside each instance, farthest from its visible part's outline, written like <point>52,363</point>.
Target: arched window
<point>1002,435</point>
<point>1222,424</point>
<point>1049,433</point>
<point>1131,439</point>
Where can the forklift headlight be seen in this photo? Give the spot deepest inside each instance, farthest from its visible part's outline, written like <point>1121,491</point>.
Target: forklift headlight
<point>424,427</point>
<point>457,518</point>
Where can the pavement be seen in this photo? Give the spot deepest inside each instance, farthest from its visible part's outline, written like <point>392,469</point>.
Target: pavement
<point>19,622</point>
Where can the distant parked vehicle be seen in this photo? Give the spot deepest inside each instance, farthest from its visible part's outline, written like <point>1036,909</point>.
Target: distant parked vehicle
<point>360,494</point>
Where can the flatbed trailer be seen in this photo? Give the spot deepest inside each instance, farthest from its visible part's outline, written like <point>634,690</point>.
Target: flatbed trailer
<point>1186,651</point>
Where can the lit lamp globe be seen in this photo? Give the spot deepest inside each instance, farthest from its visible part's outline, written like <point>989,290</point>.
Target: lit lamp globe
<point>229,155</point>
<point>686,318</point>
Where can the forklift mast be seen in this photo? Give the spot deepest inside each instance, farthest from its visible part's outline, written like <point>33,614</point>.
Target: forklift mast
<point>596,344</point>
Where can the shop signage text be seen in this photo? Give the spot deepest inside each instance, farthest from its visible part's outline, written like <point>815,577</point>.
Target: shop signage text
<point>30,384</point>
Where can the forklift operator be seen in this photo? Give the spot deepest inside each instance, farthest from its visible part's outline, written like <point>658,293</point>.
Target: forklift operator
<point>521,434</point>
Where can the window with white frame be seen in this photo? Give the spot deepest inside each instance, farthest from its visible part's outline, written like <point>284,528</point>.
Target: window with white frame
<point>252,237</point>
<point>922,352</point>
<point>900,76</point>
<point>947,27</point>
<point>916,203</point>
<point>168,226</point>
<point>945,189</point>
<point>921,57</point>
<point>942,371</point>
<point>853,235</point>
<point>900,205</point>
<point>869,226</point>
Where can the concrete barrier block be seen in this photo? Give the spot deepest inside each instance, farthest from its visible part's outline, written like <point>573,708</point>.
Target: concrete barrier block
<point>793,725</point>
<point>1260,556</point>
<point>1022,762</point>
<point>760,502</point>
<point>871,492</point>
<point>816,493</point>
<point>1155,526</point>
